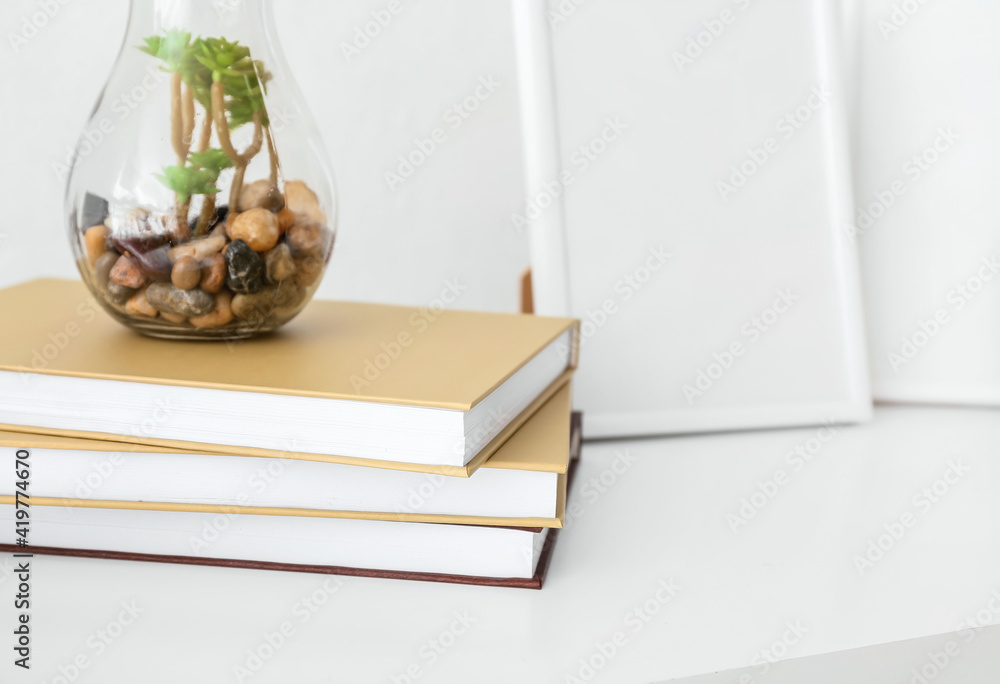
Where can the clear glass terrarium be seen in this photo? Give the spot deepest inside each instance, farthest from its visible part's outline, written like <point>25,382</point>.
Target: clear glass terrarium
<point>201,204</point>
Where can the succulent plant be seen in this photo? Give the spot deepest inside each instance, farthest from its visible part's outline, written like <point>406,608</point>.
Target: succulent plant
<point>220,76</point>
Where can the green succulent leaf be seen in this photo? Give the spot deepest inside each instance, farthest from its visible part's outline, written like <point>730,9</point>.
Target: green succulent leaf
<point>152,45</point>
<point>202,62</point>
<point>172,48</point>
<point>187,181</point>
<point>213,159</point>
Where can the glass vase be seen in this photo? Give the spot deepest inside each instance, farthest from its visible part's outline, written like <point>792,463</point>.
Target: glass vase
<point>201,204</point>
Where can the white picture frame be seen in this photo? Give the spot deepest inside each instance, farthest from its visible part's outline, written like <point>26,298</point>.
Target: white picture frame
<point>636,155</point>
<point>927,222</point>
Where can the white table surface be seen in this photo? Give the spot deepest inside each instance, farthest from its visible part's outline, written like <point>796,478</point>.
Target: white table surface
<point>969,658</point>
<point>663,519</point>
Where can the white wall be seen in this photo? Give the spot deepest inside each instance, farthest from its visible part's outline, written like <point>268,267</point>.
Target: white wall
<point>451,220</point>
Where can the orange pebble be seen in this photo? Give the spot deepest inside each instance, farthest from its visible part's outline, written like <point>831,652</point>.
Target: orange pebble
<point>286,219</point>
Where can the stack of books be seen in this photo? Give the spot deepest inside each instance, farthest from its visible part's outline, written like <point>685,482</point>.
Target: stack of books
<point>360,440</point>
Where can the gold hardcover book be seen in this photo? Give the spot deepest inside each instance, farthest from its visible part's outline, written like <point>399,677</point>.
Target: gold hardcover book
<point>348,383</point>
<point>78,473</point>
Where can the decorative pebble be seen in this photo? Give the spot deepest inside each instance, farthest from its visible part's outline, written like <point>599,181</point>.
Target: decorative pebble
<point>280,265</point>
<point>95,240</point>
<point>155,264</point>
<point>126,273</point>
<point>213,273</point>
<point>102,269</point>
<point>307,240</point>
<point>166,297</point>
<point>262,304</point>
<point>220,231</point>
<point>245,306</point>
<point>303,202</point>
<point>199,249</point>
<point>138,305</point>
<point>308,270</point>
<point>173,318</point>
<point>95,210</point>
<point>219,316</point>
<point>286,219</point>
<point>244,268</point>
<point>257,227</point>
<point>138,239</point>
<point>119,294</point>
<point>258,265</point>
<point>186,273</point>
<point>261,195</point>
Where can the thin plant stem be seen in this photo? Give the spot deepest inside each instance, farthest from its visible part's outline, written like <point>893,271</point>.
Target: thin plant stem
<point>188,119</point>
<point>208,208</point>
<point>236,188</point>
<point>181,129</point>
<point>258,139</point>
<point>225,141</point>
<point>206,132</point>
<point>272,155</point>
<point>177,118</point>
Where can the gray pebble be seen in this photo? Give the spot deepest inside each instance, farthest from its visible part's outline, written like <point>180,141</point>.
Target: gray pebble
<point>167,298</point>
